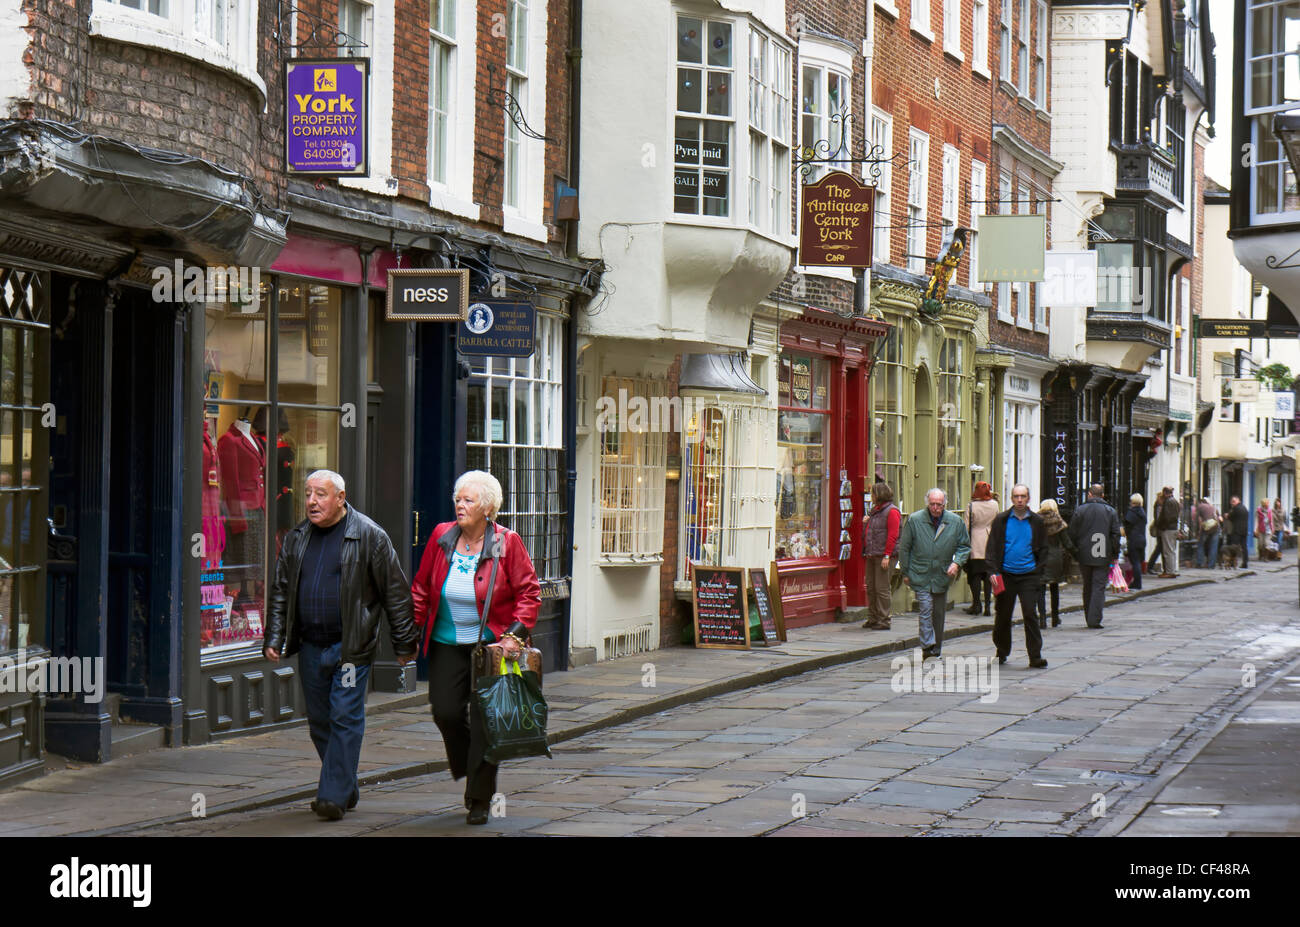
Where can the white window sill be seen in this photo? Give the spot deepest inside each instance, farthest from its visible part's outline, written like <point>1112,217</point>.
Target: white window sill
<point>445,201</point>
<point>954,53</point>
<point>629,560</point>
<point>923,32</point>
<point>1006,319</point>
<point>982,71</point>
<point>887,8</point>
<point>131,27</point>
<point>518,225</point>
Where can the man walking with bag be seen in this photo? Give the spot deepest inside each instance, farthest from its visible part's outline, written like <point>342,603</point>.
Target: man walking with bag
<point>337,572</point>
<point>1094,529</point>
<point>1016,552</point>
<point>933,546</point>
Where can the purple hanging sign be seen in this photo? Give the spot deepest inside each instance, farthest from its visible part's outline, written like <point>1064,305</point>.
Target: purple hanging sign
<point>326,110</point>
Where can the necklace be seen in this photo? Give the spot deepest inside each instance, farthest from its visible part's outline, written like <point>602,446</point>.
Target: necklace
<point>468,543</point>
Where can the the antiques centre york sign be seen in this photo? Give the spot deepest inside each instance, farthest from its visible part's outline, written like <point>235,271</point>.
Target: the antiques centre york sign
<point>326,111</point>
<point>836,222</point>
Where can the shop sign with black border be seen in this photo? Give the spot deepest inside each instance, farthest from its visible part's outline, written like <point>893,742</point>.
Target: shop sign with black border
<point>1232,328</point>
<point>496,328</point>
<point>327,117</point>
<point>427,295</point>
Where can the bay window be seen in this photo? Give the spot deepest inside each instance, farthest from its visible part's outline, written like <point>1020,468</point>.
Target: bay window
<point>704,121</point>
<point>220,33</point>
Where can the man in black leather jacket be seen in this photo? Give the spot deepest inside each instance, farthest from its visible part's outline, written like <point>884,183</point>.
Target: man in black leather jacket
<point>337,572</point>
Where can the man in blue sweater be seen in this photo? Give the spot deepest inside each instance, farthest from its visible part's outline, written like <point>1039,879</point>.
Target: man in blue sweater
<point>1017,550</point>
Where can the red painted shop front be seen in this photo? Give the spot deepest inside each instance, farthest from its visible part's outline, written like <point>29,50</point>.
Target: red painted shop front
<point>823,433</point>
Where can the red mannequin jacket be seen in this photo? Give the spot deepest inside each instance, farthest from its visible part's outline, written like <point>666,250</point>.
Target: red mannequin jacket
<point>243,475</point>
<point>516,597</point>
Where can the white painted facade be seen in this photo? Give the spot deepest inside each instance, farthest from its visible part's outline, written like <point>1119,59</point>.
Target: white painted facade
<point>15,79</point>
<point>674,284</point>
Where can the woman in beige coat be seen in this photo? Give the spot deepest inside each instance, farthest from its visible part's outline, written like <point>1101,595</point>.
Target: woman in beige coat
<point>984,507</point>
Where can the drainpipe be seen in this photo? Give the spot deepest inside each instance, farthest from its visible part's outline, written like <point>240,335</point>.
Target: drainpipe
<point>570,390</point>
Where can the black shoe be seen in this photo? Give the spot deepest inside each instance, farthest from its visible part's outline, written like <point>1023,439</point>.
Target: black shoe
<point>1042,622</point>
<point>1037,663</point>
<point>352,802</point>
<point>987,613</point>
<point>478,813</point>
<point>327,809</point>
<point>974,609</point>
<point>1056,622</point>
<point>1002,658</point>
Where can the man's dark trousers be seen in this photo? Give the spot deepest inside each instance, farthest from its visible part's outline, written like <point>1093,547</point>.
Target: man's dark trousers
<point>1094,592</point>
<point>1240,541</point>
<point>335,694</point>
<point>1023,586</point>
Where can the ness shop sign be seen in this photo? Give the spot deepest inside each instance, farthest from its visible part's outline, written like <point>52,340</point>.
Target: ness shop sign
<point>327,116</point>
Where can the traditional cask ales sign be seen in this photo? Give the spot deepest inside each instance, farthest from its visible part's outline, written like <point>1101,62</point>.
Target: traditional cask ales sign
<point>326,112</point>
<point>837,222</point>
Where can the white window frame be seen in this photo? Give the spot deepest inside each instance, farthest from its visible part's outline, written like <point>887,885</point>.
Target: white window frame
<point>630,489</point>
<point>978,184</point>
<point>951,173</point>
<point>176,30</point>
<point>525,218</point>
<point>456,195</point>
<point>737,134</point>
<point>979,52</point>
<point>365,36</point>
<point>918,181</point>
<point>882,135</point>
<point>1005,70</point>
<point>768,112</point>
<point>951,27</point>
<point>1004,287</point>
<point>1040,56</point>
<point>1259,113</point>
<point>1022,49</point>
<point>818,59</point>
<point>921,19</point>
<point>1024,292</point>
<point>1020,419</point>
<point>442,95</point>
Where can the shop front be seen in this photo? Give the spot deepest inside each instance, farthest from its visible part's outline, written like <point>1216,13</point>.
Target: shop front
<point>823,462</point>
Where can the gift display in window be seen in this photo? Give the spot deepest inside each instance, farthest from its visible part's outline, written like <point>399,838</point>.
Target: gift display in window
<point>801,478</point>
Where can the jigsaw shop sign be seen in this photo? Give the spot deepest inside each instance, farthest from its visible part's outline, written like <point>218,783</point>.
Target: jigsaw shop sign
<point>327,114</point>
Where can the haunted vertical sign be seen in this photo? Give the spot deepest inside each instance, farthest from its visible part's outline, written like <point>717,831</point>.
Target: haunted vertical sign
<point>327,110</point>
<point>1061,469</point>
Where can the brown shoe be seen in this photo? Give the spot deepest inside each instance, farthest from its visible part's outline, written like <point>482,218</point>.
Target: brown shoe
<point>1168,575</point>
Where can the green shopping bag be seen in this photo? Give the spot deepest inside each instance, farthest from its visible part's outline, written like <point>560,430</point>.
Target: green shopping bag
<point>513,713</point>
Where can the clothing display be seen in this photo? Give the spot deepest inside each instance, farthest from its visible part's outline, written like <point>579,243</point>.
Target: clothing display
<point>243,476</point>
<point>214,527</point>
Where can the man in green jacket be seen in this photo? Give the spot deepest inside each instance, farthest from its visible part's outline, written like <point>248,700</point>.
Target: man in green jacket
<point>932,549</point>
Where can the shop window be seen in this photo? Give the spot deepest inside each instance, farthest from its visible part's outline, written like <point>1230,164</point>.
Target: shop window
<point>633,456</point>
<point>1019,460</point>
<point>889,416</point>
<point>24,456</point>
<point>245,447</point>
<point>703,126</point>
<point>515,428</point>
<point>726,483</point>
<point>803,427</point>
<point>954,413</point>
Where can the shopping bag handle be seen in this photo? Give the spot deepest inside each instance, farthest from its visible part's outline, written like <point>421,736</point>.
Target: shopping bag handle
<point>514,663</point>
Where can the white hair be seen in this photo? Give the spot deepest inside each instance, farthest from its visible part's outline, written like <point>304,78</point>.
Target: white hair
<point>940,492</point>
<point>328,475</point>
<point>489,490</point>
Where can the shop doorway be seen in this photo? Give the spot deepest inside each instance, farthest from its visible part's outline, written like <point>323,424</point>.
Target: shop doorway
<point>926,431</point>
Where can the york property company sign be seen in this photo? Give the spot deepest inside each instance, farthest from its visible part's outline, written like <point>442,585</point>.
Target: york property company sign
<point>327,114</point>
<point>425,295</point>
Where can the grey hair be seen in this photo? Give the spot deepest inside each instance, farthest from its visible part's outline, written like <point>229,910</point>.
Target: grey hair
<point>932,492</point>
<point>489,490</point>
<point>328,475</point>
<point>1020,486</point>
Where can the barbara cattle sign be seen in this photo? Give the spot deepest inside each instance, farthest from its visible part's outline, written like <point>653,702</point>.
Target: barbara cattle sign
<point>423,295</point>
<point>837,222</point>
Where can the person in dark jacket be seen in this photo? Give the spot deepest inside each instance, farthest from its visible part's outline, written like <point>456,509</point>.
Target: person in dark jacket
<point>1135,529</point>
<point>450,593</point>
<point>879,538</point>
<point>1167,517</point>
<point>1238,520</point>
<point>1017,551</point>
<point>1094,529</point>
<point>1056,567</point>
<point>336,573</point>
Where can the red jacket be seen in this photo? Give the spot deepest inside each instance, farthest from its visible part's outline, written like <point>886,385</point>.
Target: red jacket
<point>515,599</point>
<point>243,478</point>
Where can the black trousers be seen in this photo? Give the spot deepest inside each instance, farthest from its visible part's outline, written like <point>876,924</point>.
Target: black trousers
<point>1240,540</point>
<point>1056,601</point>
<point>1024,587</point>
<point>1095,579</point>
<point>462,730</point>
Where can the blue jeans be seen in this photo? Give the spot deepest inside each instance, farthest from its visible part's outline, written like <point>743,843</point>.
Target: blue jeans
<point>1207,551</point>
<point>336,715</point>
<point>931,606</point>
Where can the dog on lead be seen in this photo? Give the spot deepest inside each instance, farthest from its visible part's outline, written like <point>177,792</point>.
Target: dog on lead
<point>1229,556</point>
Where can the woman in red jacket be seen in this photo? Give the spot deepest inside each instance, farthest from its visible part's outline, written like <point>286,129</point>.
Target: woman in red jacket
<point>448,593</point>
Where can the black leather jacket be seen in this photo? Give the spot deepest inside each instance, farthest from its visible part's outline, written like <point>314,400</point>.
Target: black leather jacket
<point>370,581</point>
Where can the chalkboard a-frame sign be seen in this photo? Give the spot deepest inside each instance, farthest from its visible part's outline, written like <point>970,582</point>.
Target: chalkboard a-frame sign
<point>762,602</point>
<point>419,294</point>
<point>720,606</point>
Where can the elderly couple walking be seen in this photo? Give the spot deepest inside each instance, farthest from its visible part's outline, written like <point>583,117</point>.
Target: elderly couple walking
<point>338,573</point>
<point>934,544</point>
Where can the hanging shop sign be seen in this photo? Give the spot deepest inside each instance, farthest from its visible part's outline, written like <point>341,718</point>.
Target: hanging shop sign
<point>1069,280</point>
<point>1231,328</point>
<point>493,328</point>
<point>1012,248</point>
<point>1245,389</point>
<point>425,295</point>
<point>836,222</point>
<point>1284,405</point>
<point>327,110</point>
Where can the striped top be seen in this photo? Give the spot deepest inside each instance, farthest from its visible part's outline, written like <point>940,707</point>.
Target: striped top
<point>458,617</point>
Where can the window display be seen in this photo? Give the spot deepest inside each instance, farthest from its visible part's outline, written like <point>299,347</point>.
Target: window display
<point>801,474</point>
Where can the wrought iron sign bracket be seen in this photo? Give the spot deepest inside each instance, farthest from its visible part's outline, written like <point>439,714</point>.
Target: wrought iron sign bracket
<point>321,34</point>
<point>1285,263</point>
<point>502,98</point>
<point>821,152</point>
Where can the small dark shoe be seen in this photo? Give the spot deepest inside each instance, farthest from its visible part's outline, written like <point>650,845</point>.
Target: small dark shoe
<point>1002,658</point>
<point>1037,663</point>
<point>1056,622</point>
<point>327,809</point>
<point>974,609</point>
<point>1042,622</point>
<point>352,802</point>
<point>478,813</point>
<point>987,613</point>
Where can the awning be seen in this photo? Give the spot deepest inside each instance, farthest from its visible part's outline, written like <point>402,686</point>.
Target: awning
<point>717,373</point>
